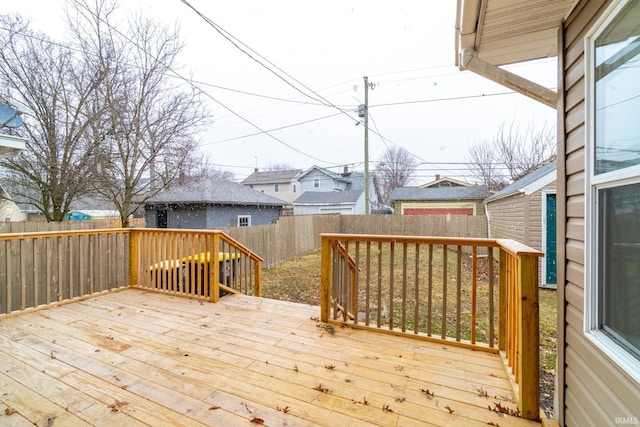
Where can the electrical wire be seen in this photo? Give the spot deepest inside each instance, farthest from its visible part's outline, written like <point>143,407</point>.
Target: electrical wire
<point>200,90</point>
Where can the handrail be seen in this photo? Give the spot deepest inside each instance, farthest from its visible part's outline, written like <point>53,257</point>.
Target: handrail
<point>181,262</point>
<point>39,269</point>
<point>441,289</point>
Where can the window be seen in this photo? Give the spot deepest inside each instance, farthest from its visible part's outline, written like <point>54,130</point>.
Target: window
<point>244,220</point>
<point>276,188</point>
<point>294,188</point>
<point>316,182</point>
<point>612,314</point>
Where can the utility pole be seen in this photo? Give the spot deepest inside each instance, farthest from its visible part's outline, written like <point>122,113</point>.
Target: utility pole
<point>367,209</point>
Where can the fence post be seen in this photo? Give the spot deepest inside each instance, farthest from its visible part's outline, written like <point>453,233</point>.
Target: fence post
<point>529,342</point>
<point>325,282</point>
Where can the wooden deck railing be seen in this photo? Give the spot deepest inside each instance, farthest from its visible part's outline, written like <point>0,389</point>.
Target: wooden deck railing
<point>38,269</point>
<point>446,289</point>
<point>193,262</point>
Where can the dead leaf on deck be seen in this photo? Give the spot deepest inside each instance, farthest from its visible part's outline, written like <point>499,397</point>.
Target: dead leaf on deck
<point>257,420</point>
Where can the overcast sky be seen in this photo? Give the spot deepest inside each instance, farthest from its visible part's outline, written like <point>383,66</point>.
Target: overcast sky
<point>419,101</point>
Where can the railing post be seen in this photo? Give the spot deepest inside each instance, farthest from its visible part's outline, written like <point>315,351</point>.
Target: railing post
<point>257,286</point>
<point>502,301</point>
<point>529,342</point>
<point>325,280</point>
<point>134,257</point>
<point>214,270</point>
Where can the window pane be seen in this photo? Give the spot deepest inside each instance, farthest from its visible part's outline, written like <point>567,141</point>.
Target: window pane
<point>619,264</point>
<point>617,103</point>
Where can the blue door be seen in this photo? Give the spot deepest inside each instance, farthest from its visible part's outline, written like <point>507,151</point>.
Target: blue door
<point>551,255</point>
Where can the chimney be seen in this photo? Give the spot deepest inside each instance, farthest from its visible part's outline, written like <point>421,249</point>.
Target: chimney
<point>345,170</point>
<point>437,176</point>
<point>255,170</point>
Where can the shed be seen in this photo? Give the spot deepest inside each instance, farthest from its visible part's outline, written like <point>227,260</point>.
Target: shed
<point>526,211</point>
<point>210,204</point>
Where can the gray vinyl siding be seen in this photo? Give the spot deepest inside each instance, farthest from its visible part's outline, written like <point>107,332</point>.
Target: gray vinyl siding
<point>507,218</point>
<point>595,389</point>
<point>520,217</point>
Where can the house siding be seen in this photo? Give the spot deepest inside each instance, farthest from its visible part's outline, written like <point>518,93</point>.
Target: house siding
<point>594,390</point>
<point>327,183</point>
<point>399,206</point>
<point>285,190</point>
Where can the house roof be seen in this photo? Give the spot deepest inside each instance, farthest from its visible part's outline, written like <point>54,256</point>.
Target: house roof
<point>215,192</point>
<point>328,197</point>
<point>491,33</point>
<point>272,177</point>
<point>505,32</point>
<point>474,192</point>
<point>333,175</point>
<point>439,181</point>
<point>528,184</point>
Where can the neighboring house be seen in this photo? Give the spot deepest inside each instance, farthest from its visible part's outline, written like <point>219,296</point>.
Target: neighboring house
<point>446,200</point>
<point>10,146</point>
<point>282,184</point>
<point>598,187</point>
<point>210,204</point>
<point>526,211</point>
<point>444,182</point>
<point>350,202</point>
<point>320,180</point>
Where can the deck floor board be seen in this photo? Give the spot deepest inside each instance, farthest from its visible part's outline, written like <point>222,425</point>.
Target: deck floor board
<point>141,358</point>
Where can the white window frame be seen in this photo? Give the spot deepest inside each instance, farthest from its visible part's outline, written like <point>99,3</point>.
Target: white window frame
<point>316,182</point>
<point>276,188</point>
<point>611,348</point>
<point>242,217</point>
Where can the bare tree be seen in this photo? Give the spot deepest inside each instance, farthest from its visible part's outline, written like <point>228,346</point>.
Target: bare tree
<point>197,166</point>
<point>395,169</point>
<point>278,167</point>
<point>150,120</point>
<point>58,92</point>
<point>512,154</point>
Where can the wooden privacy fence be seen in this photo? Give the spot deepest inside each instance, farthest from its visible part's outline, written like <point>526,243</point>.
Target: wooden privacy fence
<point>430,288</point>
<point>37,269</point>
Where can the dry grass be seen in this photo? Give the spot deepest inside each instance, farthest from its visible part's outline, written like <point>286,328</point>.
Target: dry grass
<point>298,280</point>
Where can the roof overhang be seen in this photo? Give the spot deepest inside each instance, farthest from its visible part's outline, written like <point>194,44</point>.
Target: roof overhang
<point>493,33</point>
<point>11,146</point>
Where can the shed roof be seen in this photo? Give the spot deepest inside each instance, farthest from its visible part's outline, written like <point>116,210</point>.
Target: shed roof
<point>528,184</point>
<point>328,197</point>
<point>474,192</point>
<point>272,177</point>
<point>215,192</point>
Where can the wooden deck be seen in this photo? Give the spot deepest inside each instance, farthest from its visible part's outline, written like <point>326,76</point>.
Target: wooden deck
<point>140,358</point>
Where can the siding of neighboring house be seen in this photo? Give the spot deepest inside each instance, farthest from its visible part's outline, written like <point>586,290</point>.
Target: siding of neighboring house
<point>326,182</point>
<point>596,390</point>
<point>410,207</point>
<point>520,217</point>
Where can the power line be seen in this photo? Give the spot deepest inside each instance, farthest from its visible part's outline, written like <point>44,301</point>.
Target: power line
<point>202,91</point>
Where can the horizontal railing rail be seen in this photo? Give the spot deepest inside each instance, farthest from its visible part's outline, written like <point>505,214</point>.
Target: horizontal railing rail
<point>451,290</point>
<point>38,269</point>
<point>197,263</point>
